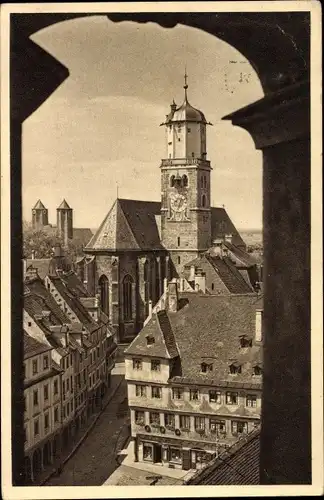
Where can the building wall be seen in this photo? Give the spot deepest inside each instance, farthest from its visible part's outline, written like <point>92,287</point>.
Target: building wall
<point>36,413</point>
<point>146,374</point>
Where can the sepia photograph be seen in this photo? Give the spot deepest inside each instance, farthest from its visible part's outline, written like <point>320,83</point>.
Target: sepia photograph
<point>161,207</point>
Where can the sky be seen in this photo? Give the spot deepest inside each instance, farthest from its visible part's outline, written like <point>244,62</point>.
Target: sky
<point>100,128</point>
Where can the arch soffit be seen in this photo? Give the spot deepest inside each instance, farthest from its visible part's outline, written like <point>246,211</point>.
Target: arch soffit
<point>276,44</point>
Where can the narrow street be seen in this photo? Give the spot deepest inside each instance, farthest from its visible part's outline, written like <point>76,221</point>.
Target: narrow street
<point>94,460</point>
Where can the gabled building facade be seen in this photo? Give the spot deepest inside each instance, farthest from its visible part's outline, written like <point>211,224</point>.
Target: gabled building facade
<point>194,376</point>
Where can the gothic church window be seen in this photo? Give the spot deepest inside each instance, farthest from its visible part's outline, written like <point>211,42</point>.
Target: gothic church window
<point>104,294</point>
<point>127,296</point>
<point>203,200</point>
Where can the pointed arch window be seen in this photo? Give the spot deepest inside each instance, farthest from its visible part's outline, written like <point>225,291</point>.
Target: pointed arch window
<point>203,200</point>
<point>104,294</point>
<point>127,297</point>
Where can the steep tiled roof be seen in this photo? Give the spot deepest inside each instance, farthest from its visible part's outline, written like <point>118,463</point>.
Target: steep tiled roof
<point>40,299</point>
<point>241,255</point>
<point>230,275</point>
<point>221,224</point>
<point>39,206</point>
<point>42,266</point>
<point>74,284</point>
<point>237,465</point>
<point>64,206</point>
<point>32,347</point>
<point>208,327</point>
<point>129,225</point>
<point>74,303</point>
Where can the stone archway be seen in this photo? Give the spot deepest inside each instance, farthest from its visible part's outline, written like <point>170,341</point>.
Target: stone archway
<point>277,45</point>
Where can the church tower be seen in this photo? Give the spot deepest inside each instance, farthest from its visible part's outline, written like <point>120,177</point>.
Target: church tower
<point>65,221</point>
<point>185,184</point>
<point>39,216</point>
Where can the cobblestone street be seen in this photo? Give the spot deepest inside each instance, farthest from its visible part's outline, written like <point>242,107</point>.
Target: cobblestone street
<point>95,459</point>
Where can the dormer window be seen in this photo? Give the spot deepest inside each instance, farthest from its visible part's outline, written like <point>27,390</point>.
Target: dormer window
<point>235,368</point>
<point>150,340</point>
<point>245,341</point>
<point>206,367</point>
<point>257,370</point>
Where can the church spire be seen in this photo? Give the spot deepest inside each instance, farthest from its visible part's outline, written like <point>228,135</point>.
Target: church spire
<point>186,83</point>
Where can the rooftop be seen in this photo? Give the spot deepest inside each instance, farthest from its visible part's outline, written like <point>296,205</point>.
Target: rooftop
<point>206,329</point>
<point>33,347</point>
<point>237,465</point>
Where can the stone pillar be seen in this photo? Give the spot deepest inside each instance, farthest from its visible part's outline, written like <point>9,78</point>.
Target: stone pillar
<point>141,289</point>
<point>134,301</point>
<point>159,277</point>
<point>167,267</point>
<point>280,127</point>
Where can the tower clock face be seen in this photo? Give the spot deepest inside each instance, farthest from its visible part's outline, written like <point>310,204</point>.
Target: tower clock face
<point>178,206</point>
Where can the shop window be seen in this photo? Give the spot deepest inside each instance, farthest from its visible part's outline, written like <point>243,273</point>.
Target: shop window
<point>148,452</point>
<point>175,455</point>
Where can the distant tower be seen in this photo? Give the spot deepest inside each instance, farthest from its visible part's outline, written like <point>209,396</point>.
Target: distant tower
<point>65,221</point>
<point>185,183</point>
<point>39,216</point>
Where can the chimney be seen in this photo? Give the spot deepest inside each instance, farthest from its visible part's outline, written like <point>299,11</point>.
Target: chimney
<point>33,254</point>
<point>192,273</point>
<point>173,296</point>
<point>200,282</point>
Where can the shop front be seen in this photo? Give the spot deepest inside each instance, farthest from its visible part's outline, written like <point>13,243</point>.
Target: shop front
<point>173,454</point>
